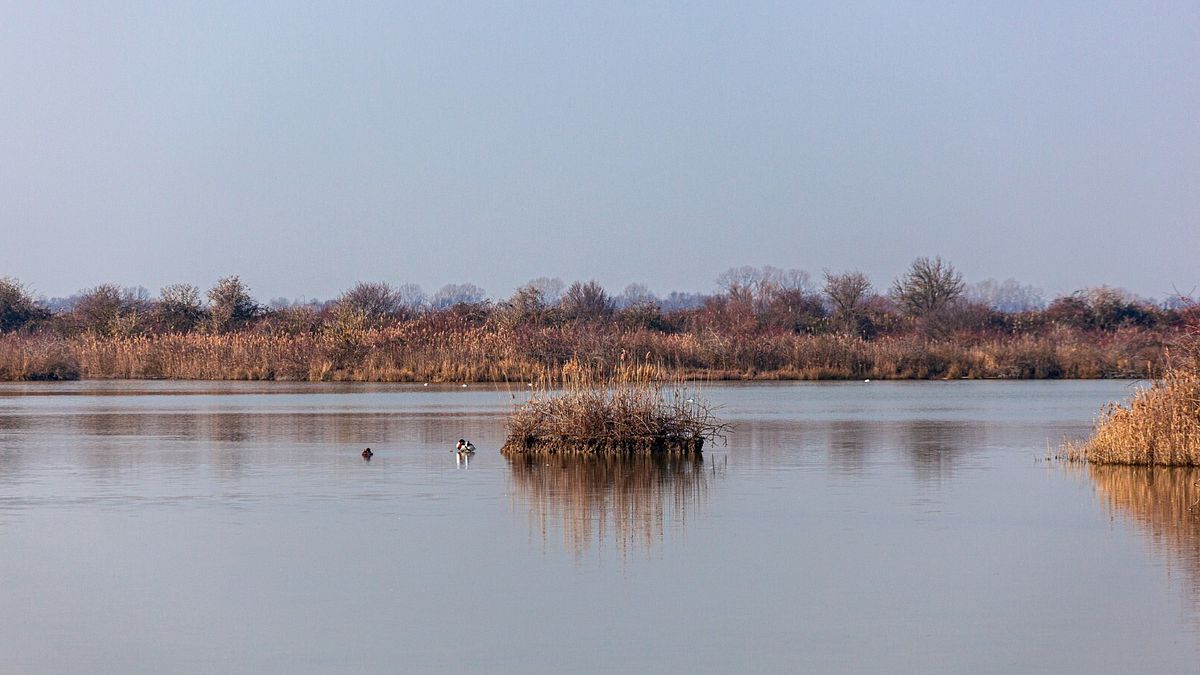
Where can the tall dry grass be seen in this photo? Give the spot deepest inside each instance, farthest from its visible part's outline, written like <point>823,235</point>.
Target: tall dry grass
<point>629,412</point>
<point>1161,424</point>
<point>455,349</point>
<point>26,357</point>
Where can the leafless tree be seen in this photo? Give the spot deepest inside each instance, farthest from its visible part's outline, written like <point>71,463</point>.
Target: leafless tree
<point>928,286</point>
<point>550,288</point>
<point>1008,296</point>
<point>412,297</point>
<point>373,301</point>
<point>457,294</point>
<point>110,310</point>
<point>635,294</point>
<point>847,291</point>
<point>586,301</point>
<point>526,305</point>
<point>179,308</point>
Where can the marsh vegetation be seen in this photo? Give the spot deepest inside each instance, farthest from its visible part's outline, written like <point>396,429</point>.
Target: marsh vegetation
<point>761,323</point>
<point>1159,426</point>
<point>630,412</point>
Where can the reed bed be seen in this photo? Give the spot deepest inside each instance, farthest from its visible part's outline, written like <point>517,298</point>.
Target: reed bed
<point>28,358</point>
<point>1160,426</point>
<point>630,412</point>
<point>449,349</point>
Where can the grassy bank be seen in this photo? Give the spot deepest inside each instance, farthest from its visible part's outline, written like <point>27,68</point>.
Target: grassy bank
<point>462,350</point>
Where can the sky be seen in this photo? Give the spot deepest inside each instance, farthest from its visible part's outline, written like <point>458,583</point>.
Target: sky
<point>309,146</point>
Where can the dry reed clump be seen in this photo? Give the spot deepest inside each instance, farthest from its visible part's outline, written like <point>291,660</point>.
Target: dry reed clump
<point>630,412</point>
<point>24,357</point>
<point>1161,425</point>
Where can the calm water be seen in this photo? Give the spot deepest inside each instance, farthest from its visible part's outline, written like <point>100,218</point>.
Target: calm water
<point>882,527</point>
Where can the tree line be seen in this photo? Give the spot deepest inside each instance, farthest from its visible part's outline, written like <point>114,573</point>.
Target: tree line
<point>930,297</point>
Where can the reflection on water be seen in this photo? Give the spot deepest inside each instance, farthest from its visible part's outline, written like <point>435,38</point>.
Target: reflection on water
<point>234,527</point>
<point>933,448</point>
<point>628,502</point>
<point>1163,502</point>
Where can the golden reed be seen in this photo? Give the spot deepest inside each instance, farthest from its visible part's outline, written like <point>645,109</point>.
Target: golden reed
<point>459,351</point>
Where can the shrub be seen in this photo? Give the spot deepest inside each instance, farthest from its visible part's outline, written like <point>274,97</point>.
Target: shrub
<point>179,308</point>
<point>629,412</point>
<point>230,305</point>
<point>17,306</point>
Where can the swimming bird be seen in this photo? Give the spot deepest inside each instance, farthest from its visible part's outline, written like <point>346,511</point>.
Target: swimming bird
<point>464,447</point>
<point>367,453</point>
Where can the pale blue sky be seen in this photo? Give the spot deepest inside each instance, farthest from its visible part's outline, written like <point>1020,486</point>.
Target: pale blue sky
<point>307,147</point>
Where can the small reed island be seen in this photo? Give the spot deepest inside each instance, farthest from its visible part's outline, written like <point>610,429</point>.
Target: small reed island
<point>630,412</point>
<point>1160,426</point>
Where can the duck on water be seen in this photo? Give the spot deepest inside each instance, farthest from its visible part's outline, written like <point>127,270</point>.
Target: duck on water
<point>464,447</point>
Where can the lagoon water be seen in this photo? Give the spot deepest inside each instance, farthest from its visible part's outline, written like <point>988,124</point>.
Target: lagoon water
<point>150,527</point>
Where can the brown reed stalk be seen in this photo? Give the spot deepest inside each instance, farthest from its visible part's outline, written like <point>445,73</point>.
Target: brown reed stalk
<point>1160,426</point>
<point>629,411</point>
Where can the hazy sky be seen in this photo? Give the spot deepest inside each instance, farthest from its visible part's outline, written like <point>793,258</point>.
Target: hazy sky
<point>307,146</point>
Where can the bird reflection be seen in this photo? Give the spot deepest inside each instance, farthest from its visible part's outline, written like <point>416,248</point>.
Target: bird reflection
<point>625,501</point>
<point>1163,502</point>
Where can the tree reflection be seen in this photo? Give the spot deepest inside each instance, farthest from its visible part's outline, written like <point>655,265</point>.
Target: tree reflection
<point>933,448</point>
<point>628,501</point>
<point>1163,503</point>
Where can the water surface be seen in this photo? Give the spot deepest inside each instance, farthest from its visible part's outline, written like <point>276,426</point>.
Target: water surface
<point>848,527</point>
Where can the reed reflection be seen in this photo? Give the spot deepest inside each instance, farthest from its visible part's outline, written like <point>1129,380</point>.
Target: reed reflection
<point>629,502</point>
<point>1163,502</point>
<point>933,448</point>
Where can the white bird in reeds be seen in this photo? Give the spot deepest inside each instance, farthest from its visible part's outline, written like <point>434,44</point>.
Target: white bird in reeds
<point>464,447</point>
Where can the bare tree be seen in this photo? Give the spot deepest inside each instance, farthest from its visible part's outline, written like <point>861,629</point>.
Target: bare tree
<point>587,302</point>
<point>779,280</point>
<point>179,308</point>
<point>110,310</point>
<point>679,300</point>
<point>635,294</point>
<point>526,305</point>
<point>740,280</point>
<point>373,301</point>
<point>230,305</point>
<point>928,287</point>
<point>411,296</point>
<point>550,288</point>
<point>457,294</point>
<point>1007,296</point>
<point>847,291</point>
<point>760,286</point>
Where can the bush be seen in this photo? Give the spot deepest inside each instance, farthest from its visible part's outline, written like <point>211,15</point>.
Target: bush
<point>230,305</point>
<point>17,307</point>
